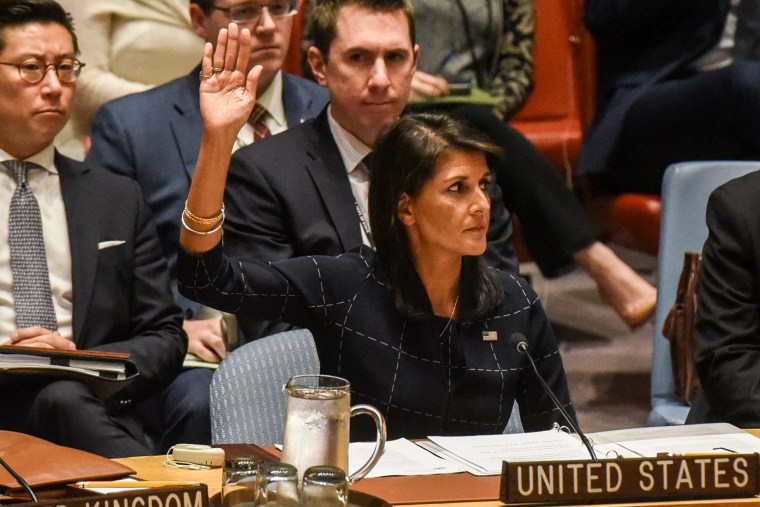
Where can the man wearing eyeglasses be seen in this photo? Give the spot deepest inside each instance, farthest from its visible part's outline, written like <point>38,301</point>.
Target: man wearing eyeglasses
<point>80,265</point>
<point>154,138</point>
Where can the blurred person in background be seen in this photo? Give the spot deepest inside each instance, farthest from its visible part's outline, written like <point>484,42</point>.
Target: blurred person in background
<point>129,46</point>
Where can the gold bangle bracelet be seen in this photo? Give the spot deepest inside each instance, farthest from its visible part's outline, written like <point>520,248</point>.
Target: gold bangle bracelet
<point>201,220</point>
<point>202,233</point>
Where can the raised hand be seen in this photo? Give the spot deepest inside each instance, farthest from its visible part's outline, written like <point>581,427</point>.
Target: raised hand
<point>227,92</point>
<point>227,95</point>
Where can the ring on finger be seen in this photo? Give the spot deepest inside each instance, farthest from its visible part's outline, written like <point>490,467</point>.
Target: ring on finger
<point>202,76</point>
<point>216,69</point>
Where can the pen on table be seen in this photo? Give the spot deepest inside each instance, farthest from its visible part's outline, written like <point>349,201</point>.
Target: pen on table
<point>692,454</point>
<point>133,484</point>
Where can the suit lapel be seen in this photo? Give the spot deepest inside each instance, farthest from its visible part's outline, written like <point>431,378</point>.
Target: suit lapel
<point>187,125</point>
<point>330,177</point>
<point>295,101</point>
<point>83,235</point>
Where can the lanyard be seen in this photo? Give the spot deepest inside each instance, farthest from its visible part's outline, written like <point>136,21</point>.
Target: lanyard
<point>365,224</point>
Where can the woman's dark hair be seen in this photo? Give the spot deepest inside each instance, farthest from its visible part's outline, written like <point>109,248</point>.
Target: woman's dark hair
<point>403,160</point>
<point>22,12</point>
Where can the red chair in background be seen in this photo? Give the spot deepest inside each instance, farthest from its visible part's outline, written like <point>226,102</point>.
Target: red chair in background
<point>562,103</point>
<point>292,63</point>
<point>558,112</point>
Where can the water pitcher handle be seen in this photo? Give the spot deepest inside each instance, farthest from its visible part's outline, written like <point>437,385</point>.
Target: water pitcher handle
<point>379,443</point>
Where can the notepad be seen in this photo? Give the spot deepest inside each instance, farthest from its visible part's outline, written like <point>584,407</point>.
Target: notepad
<point>107,364</point>
<point>105,372</point>
<point>476,96</point>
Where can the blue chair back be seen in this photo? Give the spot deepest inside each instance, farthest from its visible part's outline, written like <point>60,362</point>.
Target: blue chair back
<point>247,398</point>
<point>685,189</point>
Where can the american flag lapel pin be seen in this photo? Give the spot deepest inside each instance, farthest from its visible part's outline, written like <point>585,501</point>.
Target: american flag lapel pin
<point>490,336</point>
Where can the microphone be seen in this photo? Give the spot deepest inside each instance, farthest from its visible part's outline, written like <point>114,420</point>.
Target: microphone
<point>20,480</point>
<point>522,348</point>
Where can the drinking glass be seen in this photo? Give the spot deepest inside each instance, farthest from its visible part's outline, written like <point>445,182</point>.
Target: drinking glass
<point>324,486</point>
<point>278,485</point>
<point>240,481</point>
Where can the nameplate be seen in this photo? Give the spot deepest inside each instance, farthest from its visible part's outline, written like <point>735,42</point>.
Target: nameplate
<point>170,496</point>
<point>631,479</point>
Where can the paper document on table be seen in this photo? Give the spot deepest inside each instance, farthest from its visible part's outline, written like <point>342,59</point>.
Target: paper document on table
<point>401,457</point>
<point>683,439</point>
<point>112,489</point>
<point>484,454</point>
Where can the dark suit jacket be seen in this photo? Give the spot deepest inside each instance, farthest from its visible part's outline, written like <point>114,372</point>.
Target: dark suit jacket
<point>122,301</point>
<point>641,43</point>
<point>395,362</point>
<point>154,138</point>
<point>727,332</point>
<point>290,196</point>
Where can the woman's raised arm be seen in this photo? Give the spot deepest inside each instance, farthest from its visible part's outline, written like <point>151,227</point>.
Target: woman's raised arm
<point>227,96</point>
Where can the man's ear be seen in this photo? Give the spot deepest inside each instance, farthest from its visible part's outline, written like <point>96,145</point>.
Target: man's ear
<point>404,211</point>
<point>318,62</point>
<point>198,20</point>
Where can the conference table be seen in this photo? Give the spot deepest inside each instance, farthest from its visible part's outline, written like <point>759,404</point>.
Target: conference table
<point>449,490</point>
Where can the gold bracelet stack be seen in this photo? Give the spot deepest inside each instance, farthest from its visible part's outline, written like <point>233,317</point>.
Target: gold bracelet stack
<point>218,220</point>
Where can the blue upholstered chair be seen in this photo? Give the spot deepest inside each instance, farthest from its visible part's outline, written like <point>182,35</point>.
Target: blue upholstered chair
<point>685,189</point>
<point>247,400</point>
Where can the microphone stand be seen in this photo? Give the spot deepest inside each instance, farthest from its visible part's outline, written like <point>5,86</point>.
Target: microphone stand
<point>522,347</point>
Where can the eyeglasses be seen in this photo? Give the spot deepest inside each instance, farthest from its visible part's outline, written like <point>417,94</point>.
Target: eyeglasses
<point>251,12</point>
<point>34,71</point>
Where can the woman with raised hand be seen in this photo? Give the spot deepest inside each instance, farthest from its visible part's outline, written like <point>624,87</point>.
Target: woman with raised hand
<point>422,328</point>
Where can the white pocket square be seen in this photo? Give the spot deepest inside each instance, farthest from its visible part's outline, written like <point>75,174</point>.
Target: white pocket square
<point>108,244</point>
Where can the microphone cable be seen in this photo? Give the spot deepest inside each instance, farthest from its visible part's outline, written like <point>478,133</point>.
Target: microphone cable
<point>20,480</point>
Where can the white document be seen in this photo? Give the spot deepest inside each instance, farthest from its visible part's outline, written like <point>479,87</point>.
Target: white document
<point>401,457</point>
<point>484,454</point>
<point>715,438</point>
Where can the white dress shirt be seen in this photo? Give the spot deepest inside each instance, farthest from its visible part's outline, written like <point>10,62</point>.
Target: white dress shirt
<point>353,151</point>
<point>46,187</point>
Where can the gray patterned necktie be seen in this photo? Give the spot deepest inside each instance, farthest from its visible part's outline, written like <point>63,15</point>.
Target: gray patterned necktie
<point>31,280</point>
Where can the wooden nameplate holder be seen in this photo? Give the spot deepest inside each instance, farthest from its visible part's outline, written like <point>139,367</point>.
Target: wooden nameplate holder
<point>631,479</point>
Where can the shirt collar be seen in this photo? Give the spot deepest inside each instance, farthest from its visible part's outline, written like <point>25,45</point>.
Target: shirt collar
<point>44,158</point>
<point>271,100</point>
<point>352,150</point>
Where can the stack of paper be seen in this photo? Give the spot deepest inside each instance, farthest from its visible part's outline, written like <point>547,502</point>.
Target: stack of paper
<point>484,454</point>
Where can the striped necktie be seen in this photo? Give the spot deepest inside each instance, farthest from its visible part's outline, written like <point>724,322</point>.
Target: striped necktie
<point>31,280</point>
<point>259,121</point>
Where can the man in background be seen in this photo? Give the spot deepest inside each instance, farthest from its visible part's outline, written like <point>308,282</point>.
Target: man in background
<point>154,137</point>
<point>81,266</point>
